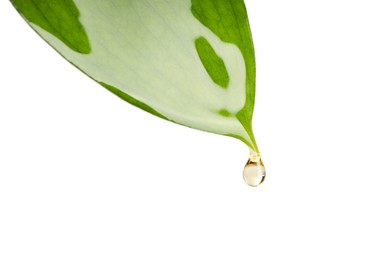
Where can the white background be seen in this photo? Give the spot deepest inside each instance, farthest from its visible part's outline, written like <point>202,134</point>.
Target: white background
<point>84,175</point>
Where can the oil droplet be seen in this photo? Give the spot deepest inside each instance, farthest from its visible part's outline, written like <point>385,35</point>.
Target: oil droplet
<point>254,171</point>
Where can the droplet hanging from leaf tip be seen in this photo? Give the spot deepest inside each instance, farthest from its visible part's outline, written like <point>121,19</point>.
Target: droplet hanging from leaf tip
<point>254,170</point>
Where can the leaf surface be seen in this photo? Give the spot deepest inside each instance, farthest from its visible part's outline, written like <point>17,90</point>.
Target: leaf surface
<point>187,61</point>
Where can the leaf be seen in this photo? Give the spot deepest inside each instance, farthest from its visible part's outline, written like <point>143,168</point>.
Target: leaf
<point>187,61</point>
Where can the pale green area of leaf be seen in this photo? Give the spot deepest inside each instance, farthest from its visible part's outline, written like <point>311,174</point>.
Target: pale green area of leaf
<point>147,53</point>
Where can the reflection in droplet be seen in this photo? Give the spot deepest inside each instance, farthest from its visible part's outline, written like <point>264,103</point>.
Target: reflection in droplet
<point>254,171</point>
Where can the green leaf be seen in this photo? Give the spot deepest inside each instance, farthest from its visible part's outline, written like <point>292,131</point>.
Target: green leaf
<point>187,61</point>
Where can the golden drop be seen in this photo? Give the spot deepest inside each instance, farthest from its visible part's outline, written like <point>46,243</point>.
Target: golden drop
<point>254,171</point>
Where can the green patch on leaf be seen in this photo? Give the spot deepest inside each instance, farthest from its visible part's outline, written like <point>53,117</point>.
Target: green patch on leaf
<point>58,17</point>
<point>213,64</point>
<point>225,113</point>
